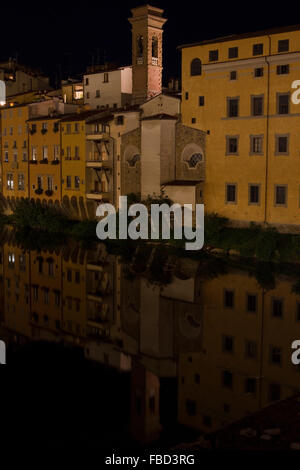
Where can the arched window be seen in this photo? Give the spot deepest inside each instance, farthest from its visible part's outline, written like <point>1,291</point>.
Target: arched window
<point>136,158</point>
<point>140,46</point>
<point>154,46</point>
<point>196,67</point>
<point>195,159</point>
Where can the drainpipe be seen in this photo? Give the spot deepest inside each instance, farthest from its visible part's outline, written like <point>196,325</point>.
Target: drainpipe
<point>267,133</point>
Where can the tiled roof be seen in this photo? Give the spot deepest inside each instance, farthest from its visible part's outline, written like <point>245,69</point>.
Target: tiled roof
<point>234,37</point>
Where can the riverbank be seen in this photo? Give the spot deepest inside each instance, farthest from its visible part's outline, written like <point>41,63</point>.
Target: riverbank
<point>263,244</point>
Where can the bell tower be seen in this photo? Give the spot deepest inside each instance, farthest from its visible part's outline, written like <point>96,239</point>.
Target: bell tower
<point>147,31</point>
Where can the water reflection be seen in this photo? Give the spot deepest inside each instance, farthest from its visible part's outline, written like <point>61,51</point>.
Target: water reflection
<point>204,344</point>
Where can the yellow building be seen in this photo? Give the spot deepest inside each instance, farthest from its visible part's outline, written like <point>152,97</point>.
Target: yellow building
<point>15,181</point>
<point>237,89</point>
<point>44,163</point>
<point>74,290</point>
<point>16,280</point>
<point>73,145</point>
<point>46,290</point>
<point>245,358</point>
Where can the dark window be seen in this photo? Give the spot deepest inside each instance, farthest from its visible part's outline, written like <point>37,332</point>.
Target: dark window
<point>282,144</point>
<point>274,392</point>
<point>280,195</point>
<point>283,69</point>
<point>231,193</point>
<point>229,298</point>
<point>69,181</point>
<point>227,379</point>
<point>298,312</point>
<point>69,275</point>
<point>152,405</point>
<point>233,75</point>
<point>190,407</point>
<point>201,100</point>
<point>251,349</point>
<point>275,355</point>
<point>232,145</point>
<point>283,104</point>
<point>254,194</point>
<point>251,303</point>
<point>283,45</point>
<point>196,67</point>
<point>213,55</point>
<point>197,378</point>
<point>277,308</point>
<point>233,107</point>
<point>257,105</point>
<point>120,120</point>
<point>138,404</point>
<point>207,421</point>
<point>228,344</point>
<point>250,385</point>
<point>193,120</point>
<point>186,95</point>
<point>258,49</point>
<point>233,52</point>
<point>259,72</point>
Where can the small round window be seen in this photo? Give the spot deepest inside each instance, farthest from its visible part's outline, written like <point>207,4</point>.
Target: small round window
<point>134,159</point>
<point>195,159</point>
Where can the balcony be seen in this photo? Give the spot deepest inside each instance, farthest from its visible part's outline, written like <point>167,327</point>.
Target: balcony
<point>97,135</point>
<point>97,195</point>
<point>98,163</point>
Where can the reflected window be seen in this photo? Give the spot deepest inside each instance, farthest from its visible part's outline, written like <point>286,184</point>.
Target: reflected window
<point>275,355</point>
<point>274,392</point>
<point>250,386</point>
<point>251,303</point>
<point>227,379</point>
<point>228,344</point>
<point>277,308</point>
<point>190,407</point>
<point>228,298</point>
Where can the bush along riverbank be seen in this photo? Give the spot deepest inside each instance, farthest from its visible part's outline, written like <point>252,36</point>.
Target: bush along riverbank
<point>264,244</point>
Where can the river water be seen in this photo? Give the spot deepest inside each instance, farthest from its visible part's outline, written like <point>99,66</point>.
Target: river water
<point>174,347</point>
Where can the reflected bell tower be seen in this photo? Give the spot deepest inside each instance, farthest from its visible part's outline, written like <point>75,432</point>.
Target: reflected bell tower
<point>147,31</point>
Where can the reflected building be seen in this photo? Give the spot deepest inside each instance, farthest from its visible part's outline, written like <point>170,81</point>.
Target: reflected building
<point>222,343</point>
<point>245,360</point>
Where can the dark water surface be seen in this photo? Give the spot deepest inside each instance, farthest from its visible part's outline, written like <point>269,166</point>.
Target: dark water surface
<point>171,347</point>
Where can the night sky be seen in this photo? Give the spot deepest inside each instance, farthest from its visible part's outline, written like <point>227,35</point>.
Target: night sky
<point>56,36</point>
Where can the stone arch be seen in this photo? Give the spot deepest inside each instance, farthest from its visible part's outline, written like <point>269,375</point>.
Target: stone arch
<point>132,155</point>
<point>74,206</point>
<point>66,206</point>
<point>190,325</point>
<point>192,154</point>
<point>82,208</point>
